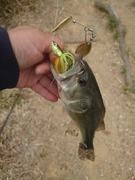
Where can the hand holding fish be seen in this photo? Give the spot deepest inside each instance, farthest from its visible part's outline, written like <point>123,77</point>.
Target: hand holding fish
<point>32,48</point>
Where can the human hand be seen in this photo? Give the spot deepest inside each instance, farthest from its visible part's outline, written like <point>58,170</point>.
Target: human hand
<point>32,48</point>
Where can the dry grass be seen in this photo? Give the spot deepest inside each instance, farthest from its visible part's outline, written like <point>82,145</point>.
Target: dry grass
<point>9,8</point>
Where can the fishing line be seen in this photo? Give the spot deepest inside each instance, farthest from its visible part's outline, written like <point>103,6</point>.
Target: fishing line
<point>55,21</point>
<point>56,16</point>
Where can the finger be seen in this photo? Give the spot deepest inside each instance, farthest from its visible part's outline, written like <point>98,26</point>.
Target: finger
<point>48,83</point>
<point>42,91</point>
<point>53,80</point>
<point>50,75</point>
<point>43,68</point>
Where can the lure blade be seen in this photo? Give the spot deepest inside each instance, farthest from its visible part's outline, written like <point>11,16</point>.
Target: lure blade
<point>83,49</point>
<point>62,23</point>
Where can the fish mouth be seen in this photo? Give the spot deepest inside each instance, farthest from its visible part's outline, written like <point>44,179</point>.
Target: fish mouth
<point>74,70</point>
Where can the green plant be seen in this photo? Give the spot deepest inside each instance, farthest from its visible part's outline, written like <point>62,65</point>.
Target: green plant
<point>116,35</point>
<point>43,155</point>
<point>128,52</point>
<point>112,22</point>
<point>133,4</point>
<point>123,71</point>
<point>8,8</point>
<point>7,100</point>
<point>127,90</point>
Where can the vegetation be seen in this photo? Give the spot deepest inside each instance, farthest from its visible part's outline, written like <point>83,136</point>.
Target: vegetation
<point>8,8</point>
<point>7,99</point>
<point>116,35</point>
<point>128,90</point>
<point>133,4</point>
<point>128,52</point>
<point>112,23</point>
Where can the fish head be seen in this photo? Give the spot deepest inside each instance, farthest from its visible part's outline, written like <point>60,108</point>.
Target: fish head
<point>75,85</point>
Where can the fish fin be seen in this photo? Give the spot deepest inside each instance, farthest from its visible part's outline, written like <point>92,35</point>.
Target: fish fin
<point>85,153</point>
<point>101,126</point>
<point>72,129</point>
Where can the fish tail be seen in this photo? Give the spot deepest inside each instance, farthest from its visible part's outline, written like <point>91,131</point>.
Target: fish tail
<point>85,153</point>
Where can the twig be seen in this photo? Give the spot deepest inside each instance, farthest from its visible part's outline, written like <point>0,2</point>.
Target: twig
<point>121,40</point>
<point>11,110</point>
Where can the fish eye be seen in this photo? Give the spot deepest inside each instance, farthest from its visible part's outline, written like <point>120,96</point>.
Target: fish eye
<point>82,82</point>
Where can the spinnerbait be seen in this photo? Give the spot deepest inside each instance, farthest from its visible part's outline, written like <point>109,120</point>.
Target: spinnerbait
<point>66,60</point>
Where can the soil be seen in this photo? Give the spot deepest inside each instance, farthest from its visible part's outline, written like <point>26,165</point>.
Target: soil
<point>33,144</point>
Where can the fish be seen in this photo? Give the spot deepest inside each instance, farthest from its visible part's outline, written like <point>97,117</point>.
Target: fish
<point>82,99</point>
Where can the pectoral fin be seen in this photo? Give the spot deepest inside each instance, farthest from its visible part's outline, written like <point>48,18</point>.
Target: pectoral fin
<point>101,126</point>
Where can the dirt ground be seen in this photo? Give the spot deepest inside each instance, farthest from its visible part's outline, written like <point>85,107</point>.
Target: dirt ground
<point>33,145</point>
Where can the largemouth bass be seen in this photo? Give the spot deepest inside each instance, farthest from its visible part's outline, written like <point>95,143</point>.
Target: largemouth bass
<point>80,94</point>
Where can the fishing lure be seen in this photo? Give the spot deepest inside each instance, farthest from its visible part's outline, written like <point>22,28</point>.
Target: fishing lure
<point>64,60</point>
<point>62,23</point>
<point>85,47</point>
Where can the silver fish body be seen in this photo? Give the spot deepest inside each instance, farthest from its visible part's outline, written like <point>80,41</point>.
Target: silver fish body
<point>80,94</point>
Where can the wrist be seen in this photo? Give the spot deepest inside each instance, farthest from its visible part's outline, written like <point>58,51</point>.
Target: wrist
<point>9,69</point>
